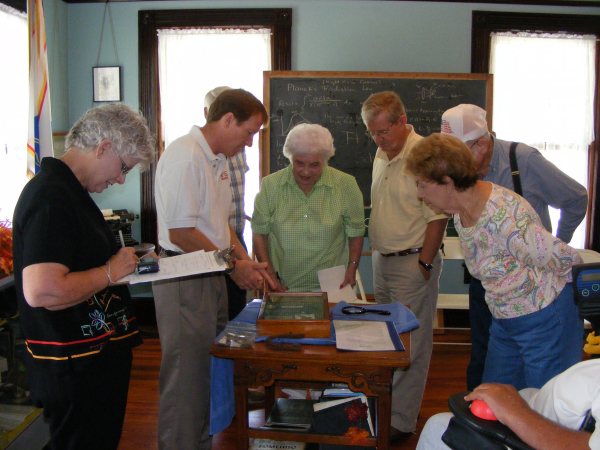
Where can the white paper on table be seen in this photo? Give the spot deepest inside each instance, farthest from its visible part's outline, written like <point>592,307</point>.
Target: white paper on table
<point>363,335</point>
<point>193,263</point>
<point>330,281</point>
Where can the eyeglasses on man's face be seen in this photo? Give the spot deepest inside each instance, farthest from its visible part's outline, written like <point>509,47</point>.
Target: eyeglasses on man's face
<point>373,134</point>
<point>474,144</point>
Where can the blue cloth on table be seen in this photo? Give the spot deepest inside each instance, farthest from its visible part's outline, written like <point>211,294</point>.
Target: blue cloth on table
<point>403,318</point>
<point>222,400</point>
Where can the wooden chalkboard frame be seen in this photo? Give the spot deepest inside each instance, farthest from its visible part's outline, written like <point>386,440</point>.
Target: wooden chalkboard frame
<point>277,76</point>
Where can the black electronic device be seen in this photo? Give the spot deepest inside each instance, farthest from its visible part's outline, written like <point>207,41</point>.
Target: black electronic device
<point>148,265</point>
<point>586,287</point>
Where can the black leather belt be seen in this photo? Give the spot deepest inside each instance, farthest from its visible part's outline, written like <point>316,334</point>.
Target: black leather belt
<point>409,251</point>
<point>167,253</point>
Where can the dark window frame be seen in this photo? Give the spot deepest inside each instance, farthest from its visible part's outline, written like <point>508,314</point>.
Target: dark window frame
<point>486,22</point>
<point>278,19</point>
<point>19,5</point>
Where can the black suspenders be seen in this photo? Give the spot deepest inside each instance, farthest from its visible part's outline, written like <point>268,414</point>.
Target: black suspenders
<point>514,168</point>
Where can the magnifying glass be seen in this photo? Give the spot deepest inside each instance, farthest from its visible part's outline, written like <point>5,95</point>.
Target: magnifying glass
<point>352,310</point>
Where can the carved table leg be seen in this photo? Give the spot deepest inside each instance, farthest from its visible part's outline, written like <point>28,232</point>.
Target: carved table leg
<point>241,414</point>
<point>384,412</point>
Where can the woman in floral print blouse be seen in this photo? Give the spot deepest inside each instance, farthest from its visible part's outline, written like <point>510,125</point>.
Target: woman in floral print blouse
<point>526,272</point>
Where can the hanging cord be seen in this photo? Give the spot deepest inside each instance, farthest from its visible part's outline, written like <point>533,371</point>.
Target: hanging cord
<point>112,29</point>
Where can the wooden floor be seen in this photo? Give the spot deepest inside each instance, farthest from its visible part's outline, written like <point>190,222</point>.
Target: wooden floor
<point>446,376</point>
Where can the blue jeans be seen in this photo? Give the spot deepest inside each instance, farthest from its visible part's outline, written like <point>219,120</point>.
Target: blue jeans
<point>529,350</point>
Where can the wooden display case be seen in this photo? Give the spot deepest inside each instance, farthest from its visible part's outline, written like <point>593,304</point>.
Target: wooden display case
<point>304,313</point>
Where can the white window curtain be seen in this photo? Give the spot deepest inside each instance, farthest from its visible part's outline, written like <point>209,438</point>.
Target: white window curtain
<point>14,104</point>
<point>194,61</point>
<point>543,97</point>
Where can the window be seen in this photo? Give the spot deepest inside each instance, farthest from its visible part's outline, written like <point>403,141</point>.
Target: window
<point>543,92</point>
<point>14,95</point>
<point>184,81</point>
<point>485,23</point>
<point>149,22</point>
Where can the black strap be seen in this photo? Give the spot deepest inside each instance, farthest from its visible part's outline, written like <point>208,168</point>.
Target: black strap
<point>514,168</point>
<point>589,423</point>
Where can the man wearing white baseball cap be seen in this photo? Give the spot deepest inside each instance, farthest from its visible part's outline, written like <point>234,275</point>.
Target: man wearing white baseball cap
<point>533,177</point>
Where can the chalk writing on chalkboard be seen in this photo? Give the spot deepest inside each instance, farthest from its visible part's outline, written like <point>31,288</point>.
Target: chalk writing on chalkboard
<point>334,100</point>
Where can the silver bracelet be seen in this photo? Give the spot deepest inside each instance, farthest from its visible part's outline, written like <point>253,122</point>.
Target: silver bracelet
<point>107,272</point>
<point>353,262</point>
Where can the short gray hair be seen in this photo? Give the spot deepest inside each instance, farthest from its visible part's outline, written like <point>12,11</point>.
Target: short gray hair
<point>309,139</point>
<point>388,102</point>
<point>118,123</point>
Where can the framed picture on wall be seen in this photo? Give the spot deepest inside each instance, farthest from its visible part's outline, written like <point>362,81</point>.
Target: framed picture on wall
<point>107,84</point>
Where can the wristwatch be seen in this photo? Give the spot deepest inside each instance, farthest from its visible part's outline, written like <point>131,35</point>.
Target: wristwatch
<point>230,267</point>
<point>427,267</point>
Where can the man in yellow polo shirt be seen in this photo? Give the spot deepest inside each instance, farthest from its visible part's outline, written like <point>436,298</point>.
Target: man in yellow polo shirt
<point>406,236</point>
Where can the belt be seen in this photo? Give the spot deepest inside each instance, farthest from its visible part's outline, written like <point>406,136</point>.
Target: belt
<point>409,251</point>
<point>166,253</point>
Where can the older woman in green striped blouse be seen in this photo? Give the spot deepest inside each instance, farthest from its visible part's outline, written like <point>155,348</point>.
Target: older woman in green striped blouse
<point>308,216</point>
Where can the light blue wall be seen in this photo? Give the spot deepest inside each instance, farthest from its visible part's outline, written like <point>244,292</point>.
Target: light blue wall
<point>393,36</point>
<point>397,36</point>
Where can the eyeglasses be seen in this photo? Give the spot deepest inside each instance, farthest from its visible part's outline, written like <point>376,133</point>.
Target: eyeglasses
<point>380,133</point>
<point>125,169</point>
<point>474,144</point>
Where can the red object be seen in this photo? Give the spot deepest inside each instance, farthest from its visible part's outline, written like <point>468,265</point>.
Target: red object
<point>482,410</point>
<point>357,435</point>
<point>357,410</point>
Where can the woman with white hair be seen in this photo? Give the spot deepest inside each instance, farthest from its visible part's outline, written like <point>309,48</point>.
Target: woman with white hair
<point>308,216</point>
<point>77,320</point>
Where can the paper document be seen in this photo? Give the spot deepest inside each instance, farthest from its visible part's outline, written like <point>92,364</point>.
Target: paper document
<point>366,336</point>
<point>330,281</point>
<point>193,263</point>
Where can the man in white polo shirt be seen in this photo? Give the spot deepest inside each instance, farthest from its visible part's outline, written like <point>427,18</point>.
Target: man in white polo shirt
<point>193,200</point>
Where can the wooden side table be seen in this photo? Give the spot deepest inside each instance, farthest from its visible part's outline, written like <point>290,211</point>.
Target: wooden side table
<point>367,372</point>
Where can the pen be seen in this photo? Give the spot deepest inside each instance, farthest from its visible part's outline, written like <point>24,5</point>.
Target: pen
<point>121,238</point>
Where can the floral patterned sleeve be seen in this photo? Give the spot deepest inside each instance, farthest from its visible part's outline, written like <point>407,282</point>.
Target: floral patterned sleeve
<point>531,243</point>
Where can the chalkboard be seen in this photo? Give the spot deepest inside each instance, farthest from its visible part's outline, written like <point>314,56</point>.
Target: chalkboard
<point>334,100</point>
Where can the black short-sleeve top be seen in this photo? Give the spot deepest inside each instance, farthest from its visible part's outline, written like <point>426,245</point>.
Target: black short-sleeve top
<point>56,221</point>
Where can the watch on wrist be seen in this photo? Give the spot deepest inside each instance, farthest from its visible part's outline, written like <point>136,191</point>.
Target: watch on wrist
<point>427,267</point>
<point>230,267</point>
